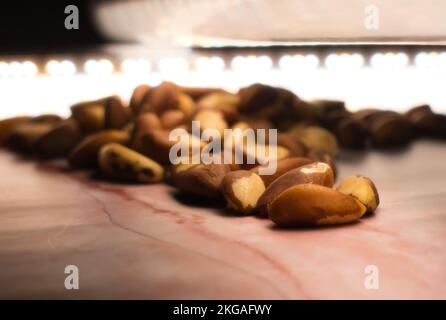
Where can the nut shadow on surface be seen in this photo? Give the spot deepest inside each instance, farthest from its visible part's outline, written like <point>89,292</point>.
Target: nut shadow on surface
<point>219,206</point>
<point>367,216</point>
<point>192,200</point>
<point>274,227</point>
<point>56,165</point>
<point>61,166</point>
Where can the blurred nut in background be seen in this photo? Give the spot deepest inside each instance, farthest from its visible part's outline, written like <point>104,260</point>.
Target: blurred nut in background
<point>85,154</point>
<point>119,162</point>
<point>59,140</point>
<point>116,115</point>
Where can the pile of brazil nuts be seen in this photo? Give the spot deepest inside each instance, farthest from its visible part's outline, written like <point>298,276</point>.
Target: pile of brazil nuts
<point>130,143</point>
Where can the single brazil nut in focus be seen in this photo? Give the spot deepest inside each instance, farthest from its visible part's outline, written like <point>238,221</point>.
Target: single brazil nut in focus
<point>144,123</point>
<point>361,188</point>
<point>85,154</point>
<point>116,114</point>
<point>121,163</point>
<point>59,140</point>
<point>314,205</point>
<point>8,125</point>
<point>202,180</point>
<point>283,166</point>
<point>242,189</point>
<point>316,173</point>
<point>316,138</point>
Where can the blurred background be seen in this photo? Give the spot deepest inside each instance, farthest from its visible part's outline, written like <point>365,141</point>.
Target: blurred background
<point>370,54</point>
<point>36,27</point>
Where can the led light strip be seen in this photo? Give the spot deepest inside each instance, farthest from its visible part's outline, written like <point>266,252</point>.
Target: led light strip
<point>392,80</point>
<point>239,63</point>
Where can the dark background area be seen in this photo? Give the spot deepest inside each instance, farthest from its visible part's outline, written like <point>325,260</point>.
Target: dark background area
<point>38,26</point>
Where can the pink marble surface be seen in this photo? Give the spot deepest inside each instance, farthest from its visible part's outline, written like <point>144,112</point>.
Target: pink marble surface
<point>140,242</point>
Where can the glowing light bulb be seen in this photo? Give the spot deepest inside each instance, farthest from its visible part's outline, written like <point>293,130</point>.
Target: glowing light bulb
<point>15,69</point>
<point>100,67</point>
<point>389,60</point>
<point>29,69</point>
<point>4,69</point>
<point>67,68</point>
<point>344,61</point>
<point>173,65</point>
<point>205,64</point>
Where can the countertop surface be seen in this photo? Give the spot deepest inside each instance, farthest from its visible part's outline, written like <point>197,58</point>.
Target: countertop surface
<point>148,242</point>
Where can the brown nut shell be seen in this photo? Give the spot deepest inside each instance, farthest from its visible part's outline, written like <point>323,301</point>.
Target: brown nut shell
<point>137,98</point>
<point>316,173</point>
<point>196,93</point>
<point>427,122</point>
<point>390,130</point>
<point>361,188</point>
<point>121,163</point>
<point>8,125</point>
<point>157,145</point>
<point>256,154</point>
<point>161,98</point>
<point>202,180</point>
<point>89,115</point>
<point>25,135</point>
<point>224,102</point>
<point>351,133</point>
<point>310,204</point>
<point>295,146</point>
<point>211,119</point>
<point>85,154</point>
<point>242,189</point>
<point>116,114</point>
<point>186,104</point>
<point>283,166</point>
<point>328,106</point>
<point>46,118</point>
<point>144,123</point>
<point>322,156</point>
<point>257,96</point>
<point>172,119</point>
<point>59,140</point>
<point>316,138</point>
